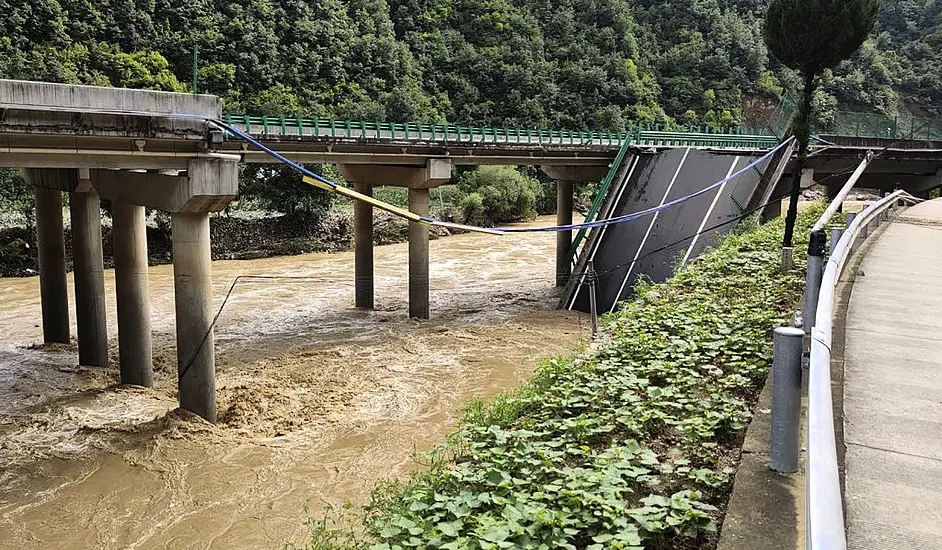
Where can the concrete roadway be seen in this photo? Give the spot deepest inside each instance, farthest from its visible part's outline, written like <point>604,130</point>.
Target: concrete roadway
<point>893,388</point>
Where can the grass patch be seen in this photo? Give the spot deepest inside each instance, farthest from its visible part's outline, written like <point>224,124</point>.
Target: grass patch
<point>630,444</point>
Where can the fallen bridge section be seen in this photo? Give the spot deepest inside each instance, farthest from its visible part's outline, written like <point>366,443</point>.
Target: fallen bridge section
<point>654,245</point>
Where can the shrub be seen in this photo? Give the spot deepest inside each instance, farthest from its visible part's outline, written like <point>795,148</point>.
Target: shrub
<point>506,195</point>
<point>472,209</point>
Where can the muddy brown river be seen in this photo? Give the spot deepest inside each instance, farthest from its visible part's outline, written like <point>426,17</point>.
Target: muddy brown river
<point>317,401</point>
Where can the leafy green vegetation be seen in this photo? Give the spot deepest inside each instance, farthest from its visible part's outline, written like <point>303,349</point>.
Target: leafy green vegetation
<point>573,64</point>
<point>629,444</point>
<point>497,194</point>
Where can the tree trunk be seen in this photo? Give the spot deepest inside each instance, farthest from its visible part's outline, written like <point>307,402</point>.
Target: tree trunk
<point>802,131</point>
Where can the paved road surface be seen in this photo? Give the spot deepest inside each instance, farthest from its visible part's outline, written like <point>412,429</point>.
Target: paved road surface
<point>893,388</point>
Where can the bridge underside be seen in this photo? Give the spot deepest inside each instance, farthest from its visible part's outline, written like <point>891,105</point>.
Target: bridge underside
<point>915,170</point>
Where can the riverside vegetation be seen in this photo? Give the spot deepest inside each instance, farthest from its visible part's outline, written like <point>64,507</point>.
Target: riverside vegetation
<point>629,444</point>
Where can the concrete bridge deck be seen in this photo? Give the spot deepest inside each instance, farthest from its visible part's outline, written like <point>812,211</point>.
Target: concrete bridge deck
<point>893,388</point>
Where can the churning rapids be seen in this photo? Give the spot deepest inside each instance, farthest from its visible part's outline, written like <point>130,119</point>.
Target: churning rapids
<point>316,400</point>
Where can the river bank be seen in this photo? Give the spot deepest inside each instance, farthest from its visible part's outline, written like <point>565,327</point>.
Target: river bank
<point>317,400</point>
<point>631,443</point>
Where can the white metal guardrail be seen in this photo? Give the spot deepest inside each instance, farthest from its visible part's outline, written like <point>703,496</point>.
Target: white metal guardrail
<point>825,511</point>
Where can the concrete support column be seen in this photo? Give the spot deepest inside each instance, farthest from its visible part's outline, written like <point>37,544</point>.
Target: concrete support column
<point>363,260</point>
<point>133,294</point>
<point>418,256</point>
<point>53,288</point>
<point>192,285</point>
<point>563,238</point>
<point>89,275</point>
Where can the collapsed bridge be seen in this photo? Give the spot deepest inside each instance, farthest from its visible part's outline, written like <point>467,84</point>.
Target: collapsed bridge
<point>179,154</point>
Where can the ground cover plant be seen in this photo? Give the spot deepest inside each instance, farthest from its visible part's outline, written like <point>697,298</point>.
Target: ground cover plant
<point>629,444</point>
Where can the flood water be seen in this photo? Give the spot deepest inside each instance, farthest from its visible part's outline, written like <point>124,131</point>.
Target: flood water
<point>316,400</point>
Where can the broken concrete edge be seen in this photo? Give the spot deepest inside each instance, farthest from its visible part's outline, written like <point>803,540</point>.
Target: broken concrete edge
<point>92,99</point>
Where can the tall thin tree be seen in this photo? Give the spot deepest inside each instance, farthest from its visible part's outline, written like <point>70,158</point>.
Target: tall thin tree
<point>811,36</point>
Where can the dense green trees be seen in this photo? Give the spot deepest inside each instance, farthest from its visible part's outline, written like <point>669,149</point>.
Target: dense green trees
<point>577,64</point>
<point>572,64</point>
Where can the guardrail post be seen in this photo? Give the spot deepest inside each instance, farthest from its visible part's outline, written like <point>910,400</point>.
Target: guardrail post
<point>816,246</point>
<point>836,234</point>
<point>785,447</point>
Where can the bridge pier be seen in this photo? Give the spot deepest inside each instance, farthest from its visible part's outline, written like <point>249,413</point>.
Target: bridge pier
<point>418,256</point>
<point>564,191</point>
<point>53,288</point>
<point>363,248</point>
<point>133,294</point>
<point>207,186</point>
<point>89,277</point>
<point>193,299</point>
<point>87,262</point>
<point>566,177</point>
<point>418,179</point>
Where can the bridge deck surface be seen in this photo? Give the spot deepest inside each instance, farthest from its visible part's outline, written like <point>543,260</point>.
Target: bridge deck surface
<point>893,388</point>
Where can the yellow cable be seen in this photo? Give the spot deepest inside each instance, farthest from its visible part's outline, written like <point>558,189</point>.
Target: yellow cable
<point>411,216</point>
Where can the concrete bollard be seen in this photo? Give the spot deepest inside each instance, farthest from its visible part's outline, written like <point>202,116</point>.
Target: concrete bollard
<point>816,246</point>
<point>785,447</point>
<point>788,260</point>
<point>836,234</point>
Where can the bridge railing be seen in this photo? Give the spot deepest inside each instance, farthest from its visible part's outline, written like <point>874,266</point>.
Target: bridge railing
<point>668,135</point>
<point>824,511</point>
<point>876,125</point>
<point>600,196</point>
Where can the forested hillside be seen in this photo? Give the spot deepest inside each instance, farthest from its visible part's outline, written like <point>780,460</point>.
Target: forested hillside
<point>576,64</point>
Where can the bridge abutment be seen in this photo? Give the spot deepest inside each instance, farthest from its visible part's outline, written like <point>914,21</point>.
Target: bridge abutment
<point>133,294</point>
<point>53,287</point>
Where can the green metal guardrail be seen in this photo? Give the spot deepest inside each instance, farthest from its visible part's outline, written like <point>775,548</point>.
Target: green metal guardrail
<point>600,196</point>
<point>875,125</point>
<point>638,134</point>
